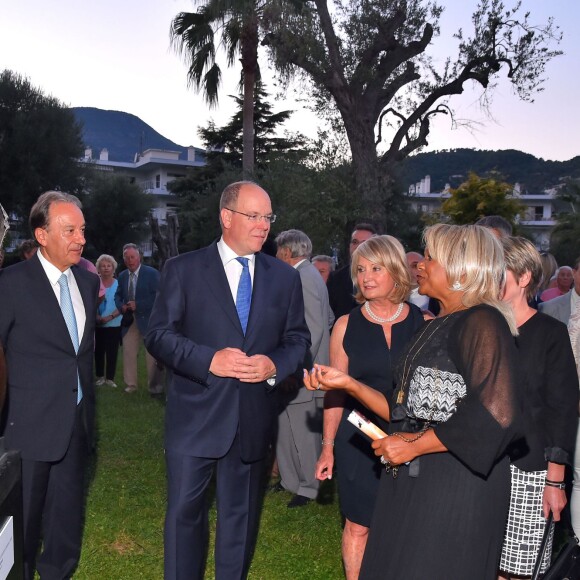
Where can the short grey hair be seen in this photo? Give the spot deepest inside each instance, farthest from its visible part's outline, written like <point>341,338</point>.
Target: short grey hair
<point>296,241</point>
<point>40,210</point>
<point>324,258</point>
<point>131,246</point>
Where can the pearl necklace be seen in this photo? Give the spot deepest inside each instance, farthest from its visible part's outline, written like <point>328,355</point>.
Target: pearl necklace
<point>383,320</point>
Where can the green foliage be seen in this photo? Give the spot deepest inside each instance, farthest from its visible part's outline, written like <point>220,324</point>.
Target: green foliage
<point>565,239</point>
<point>404,223</point>
<point>193,35</point>
<point>115,212</point>
<point>40,142</point>
<point>200,193</point>
<point>320,202</point>
<point>225,144</point>
<point>479,197</point>
<point>312,189</point>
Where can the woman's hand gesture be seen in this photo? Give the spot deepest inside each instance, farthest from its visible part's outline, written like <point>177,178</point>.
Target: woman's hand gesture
<point>326,378</point>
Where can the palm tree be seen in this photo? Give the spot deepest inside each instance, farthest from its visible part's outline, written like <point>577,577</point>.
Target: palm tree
<point>193,36</point>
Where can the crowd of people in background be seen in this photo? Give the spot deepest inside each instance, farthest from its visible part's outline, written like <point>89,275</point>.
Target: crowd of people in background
<point>465,352</point>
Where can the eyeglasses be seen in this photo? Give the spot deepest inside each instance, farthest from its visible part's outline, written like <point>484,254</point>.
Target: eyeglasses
<point>255,218</point>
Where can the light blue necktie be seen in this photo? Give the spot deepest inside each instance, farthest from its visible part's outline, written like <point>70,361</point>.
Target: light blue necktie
<point>68,313</point>
<point>244,296</point>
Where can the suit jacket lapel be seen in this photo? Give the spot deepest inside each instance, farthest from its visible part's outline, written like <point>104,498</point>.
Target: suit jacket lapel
<point>218,284</point>
<point>43,295</point>
<point>123,282</point>
<point>89,302</point>
<point>259,294</point>
<point>568,306</point>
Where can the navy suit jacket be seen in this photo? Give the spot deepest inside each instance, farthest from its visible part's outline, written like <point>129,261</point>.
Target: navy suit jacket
<point>195,316</point>
<point>147,286</point>
<point>42,363</point>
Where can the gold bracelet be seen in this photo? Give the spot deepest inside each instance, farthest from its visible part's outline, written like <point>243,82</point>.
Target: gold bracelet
<point>407,440</point>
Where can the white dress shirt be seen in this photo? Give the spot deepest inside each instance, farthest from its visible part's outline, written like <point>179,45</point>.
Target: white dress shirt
<point>233,268</point>
<point>53,274</point>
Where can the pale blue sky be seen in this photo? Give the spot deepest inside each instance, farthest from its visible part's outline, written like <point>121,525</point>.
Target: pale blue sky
<point>116,55</point>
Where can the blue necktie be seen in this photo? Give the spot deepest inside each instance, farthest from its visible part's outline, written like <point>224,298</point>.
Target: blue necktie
<point>68,313</point>
<point>244,296</point>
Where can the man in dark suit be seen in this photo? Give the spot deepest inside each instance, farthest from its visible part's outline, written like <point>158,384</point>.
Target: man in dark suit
<point>47,327</point>
<point>340,288</point>
<point>229,324</point>
<point>299,440</point>
<point>136,292</point>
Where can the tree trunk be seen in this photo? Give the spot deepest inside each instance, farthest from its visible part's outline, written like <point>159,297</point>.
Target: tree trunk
<point>248,125</point>
<point>366,168</point>
<point>249,52</point>
<point>165,237</point>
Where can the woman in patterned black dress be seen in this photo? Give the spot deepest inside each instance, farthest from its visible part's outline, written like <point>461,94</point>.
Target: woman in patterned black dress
<point>451,420</point>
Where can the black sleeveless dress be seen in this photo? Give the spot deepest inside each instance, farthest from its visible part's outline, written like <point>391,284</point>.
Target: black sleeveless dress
<point>371,362</point>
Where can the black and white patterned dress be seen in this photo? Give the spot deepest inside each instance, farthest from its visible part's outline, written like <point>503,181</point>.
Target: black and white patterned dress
<point>547,364</point>
<point>443,517</point>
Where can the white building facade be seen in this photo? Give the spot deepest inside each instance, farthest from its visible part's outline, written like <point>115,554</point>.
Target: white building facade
<point>538,218</point>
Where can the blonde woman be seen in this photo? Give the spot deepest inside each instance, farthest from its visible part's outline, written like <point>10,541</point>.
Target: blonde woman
<point>364,344</point>
<point>451,419</point>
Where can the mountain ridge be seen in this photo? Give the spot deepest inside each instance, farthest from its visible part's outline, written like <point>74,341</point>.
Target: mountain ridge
<point>452,166</point>
<point>124,135</point>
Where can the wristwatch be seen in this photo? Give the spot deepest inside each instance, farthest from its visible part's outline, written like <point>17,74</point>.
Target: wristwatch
<point>271,381</point>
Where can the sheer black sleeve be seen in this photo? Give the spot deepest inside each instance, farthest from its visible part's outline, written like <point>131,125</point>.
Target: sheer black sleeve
<point>484,352</point>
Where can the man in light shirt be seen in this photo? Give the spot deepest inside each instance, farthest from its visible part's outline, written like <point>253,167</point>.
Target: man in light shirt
<point>47,328</point>
<point>228,323</point>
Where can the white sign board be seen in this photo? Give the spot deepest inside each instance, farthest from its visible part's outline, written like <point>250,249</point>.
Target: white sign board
<point>6,548</point>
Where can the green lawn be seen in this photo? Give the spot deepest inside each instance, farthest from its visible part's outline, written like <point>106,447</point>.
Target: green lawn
<point>126,505</point>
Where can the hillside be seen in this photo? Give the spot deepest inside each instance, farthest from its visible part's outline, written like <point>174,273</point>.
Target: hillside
<point>121,133</point>
<point>124,134</point>
<point>533,174</point>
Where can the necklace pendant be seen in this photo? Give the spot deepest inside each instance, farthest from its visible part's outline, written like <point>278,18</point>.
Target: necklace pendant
<point>400,397</point>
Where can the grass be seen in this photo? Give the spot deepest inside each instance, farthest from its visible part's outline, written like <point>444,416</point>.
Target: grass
<point>123,536</point>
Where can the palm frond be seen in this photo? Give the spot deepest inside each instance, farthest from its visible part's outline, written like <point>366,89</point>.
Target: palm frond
<point>231,37</point>
<point>211,84</point>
